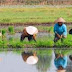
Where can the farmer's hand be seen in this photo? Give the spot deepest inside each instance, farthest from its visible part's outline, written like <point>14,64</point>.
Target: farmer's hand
<point>61,36</point>
<point>58,35</point>
<point>34,37</point>
<point>61,55</point>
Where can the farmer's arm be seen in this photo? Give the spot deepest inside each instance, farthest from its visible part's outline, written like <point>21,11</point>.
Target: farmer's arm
<point>59,36</point>
<point>55,31</point>
<point>34,37</point>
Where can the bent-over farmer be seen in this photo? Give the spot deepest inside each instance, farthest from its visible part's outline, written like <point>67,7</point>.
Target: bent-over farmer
<point>30,32</point>
<point>60,29</point>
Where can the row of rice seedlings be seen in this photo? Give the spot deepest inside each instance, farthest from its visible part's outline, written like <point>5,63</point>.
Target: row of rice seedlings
<point>39,44</point>
<point>66,42</point>
<point>15,43</point>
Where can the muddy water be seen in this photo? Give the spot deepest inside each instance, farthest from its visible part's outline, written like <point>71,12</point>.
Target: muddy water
<point>43,31</point>
<point>39,35</point>
<point>12,61</point>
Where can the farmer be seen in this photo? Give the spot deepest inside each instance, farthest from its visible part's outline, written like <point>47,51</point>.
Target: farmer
<point>60,62</point>
<point>70,31</point>
<point>60,29</point>
<point>70,57</point>
<point>30,57</point>
<point>30,32</point>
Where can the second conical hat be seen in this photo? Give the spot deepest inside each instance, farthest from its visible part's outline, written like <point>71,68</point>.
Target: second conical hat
<point>31,30</point>
<point>60,20</point>
<point>32,60</point>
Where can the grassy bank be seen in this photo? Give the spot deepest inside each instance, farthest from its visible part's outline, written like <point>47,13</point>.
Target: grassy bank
<point>39,15</point>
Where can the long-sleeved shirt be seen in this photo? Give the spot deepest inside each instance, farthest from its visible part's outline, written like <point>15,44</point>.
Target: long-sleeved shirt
<point>61,30</point>
<point>61,62</point>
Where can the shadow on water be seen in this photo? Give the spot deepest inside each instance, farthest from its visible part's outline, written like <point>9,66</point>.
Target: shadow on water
<point>34,60</point>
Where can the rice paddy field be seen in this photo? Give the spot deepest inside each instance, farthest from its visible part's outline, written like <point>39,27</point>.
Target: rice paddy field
<point>31,14</point>
<point>14,53</point>
<point>11,38</point>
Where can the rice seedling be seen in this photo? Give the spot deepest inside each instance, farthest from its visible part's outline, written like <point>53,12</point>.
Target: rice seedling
<point>66,42</point>
<point>11,29</point>
<point>3,32</point>
<point>16,44</point>
<point>44,43</point>
<point>3,43</point>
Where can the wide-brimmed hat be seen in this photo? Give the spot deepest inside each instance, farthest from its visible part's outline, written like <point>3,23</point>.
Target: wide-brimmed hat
<point>29,58</point>
<point>61,70</point>
<point>60,20</point>
<point>31,30</point>
<point>32,60</point>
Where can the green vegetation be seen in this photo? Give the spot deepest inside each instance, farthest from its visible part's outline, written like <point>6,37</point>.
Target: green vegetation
<point>34,15</point>
<point>64,52</point>
<point>15,43</point>
<point>3,32</point>
<point>45,57</point>
<point>11,29</point>
<point>66,42</point>
<point>46,41</point>
<point>42,52</point>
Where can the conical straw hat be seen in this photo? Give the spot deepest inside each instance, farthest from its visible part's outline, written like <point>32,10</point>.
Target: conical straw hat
<point>31,30</point>
<point>32,60</point>
<point>60,20</point>
<point>61,70</point>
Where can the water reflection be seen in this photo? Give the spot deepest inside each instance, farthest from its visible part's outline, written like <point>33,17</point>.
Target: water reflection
<point>69,67</point>
<point>0,59</point>
<point>48,61</point>
<point>30,57</point>
<point>60,61</point>
<point>45,57</point>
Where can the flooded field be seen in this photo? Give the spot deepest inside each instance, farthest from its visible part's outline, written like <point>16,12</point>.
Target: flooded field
<point>14,61</point>
<point>45,37</point>
<point>44,31</point>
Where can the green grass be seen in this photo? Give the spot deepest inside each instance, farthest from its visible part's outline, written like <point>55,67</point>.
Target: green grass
<point>39,15</point>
